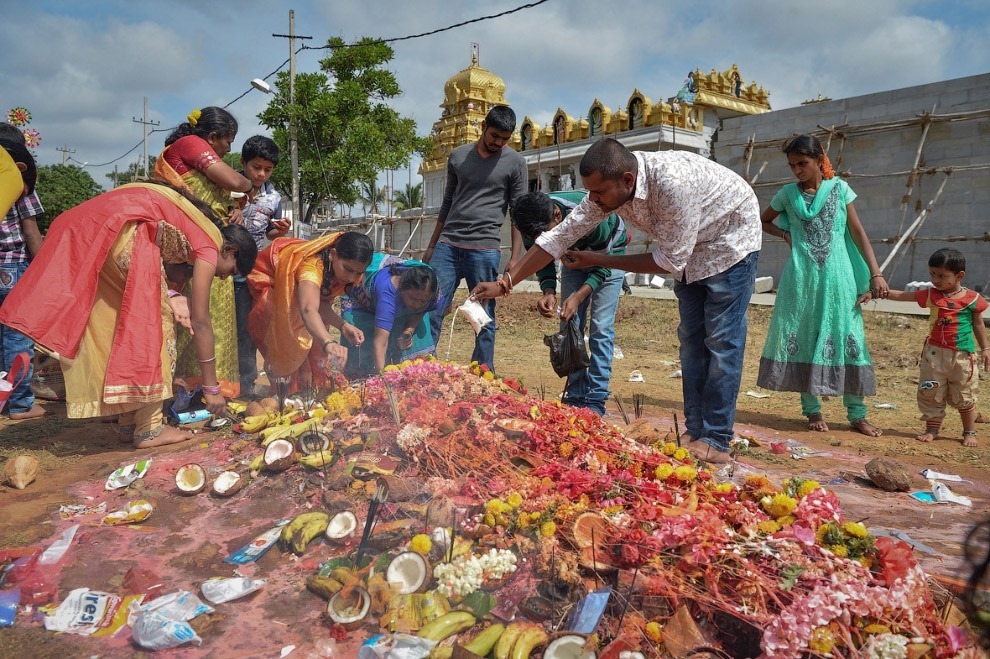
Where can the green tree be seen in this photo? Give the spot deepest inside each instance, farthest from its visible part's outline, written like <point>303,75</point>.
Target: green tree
<point>346,132</point>
<point>373,198</point>
<point>411,197</point>
<point>61,187</point>
<point>133,172</point>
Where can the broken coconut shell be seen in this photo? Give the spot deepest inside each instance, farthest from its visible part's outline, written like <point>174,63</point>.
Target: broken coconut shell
<point>410,571</point>
<point>190,479</point>
<point>514,427</point>
<point>341,526</point>
<point>349,607</point>
<point>20,471</point>
<point>280,454</point>
<point>569,646</point>
<point>227,484</point>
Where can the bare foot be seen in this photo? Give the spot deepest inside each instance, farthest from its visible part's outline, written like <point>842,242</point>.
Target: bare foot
<point>704,452</point>
<point>35,412</point>
<point>926,437</point>
<point>125,434</point>
<point>817,423</point>
<point>969,438</point>
<point>867,428</point>
<point>982,419</point>
<point>168,435</point>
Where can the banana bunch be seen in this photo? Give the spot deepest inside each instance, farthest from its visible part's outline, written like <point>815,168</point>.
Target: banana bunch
<point>258,422</point>
<point>325,587</point>
<point>519,640</point>
<point>446,625</point>
<point>236,407</point>
<point>480,645</point>
<point>302,530</point>
<point>320,459</point>
<point>288,431</point>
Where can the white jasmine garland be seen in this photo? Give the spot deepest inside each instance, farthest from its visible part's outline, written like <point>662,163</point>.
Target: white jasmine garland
<point>465,574</point>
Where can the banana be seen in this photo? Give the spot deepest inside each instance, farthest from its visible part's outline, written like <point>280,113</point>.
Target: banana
<point>529,639</point>
<point>483,643</point>
<point>257,464</point>
<point>289,417</point>
<point>503,647</point>
<point>325,587</point>
<point>297,523</point>
<point>342,574</point>
<point>319,460</point>
<point>446,625</point>
<point>442,652</point>
<point>313,528</point>
<point>252,424</point>
<point>236,407</point>
<point>288,431</point>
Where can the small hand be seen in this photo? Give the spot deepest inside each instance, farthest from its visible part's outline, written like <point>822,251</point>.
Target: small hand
<point>879,287</point>
<point>569,308</point>
<point>215,403</point>
<point>352,334</point>
<point>486,290</point>
<point>281,227</point>
<point>575,259</point>
<point>864,298</point>
<point>547,305</point>
<point>180,309</point>
<point>985,358</point>
<point>235,216</point>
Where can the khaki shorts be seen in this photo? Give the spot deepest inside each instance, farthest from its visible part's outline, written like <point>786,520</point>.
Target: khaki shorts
<point>948,377</point>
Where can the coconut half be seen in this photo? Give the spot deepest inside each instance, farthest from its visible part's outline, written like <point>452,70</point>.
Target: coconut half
<point>190,479</point>
<point>279,455</point>
<point>313,441</point>
<point>514,427</point>
<point>341,526</point>
<point>349,607</point>
<point>227,484</point>
<point>20,471</point>
<point>569,646</point>
<point>410,571</point>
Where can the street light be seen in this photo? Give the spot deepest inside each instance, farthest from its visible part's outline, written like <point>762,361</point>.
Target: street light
<point>264,87</point>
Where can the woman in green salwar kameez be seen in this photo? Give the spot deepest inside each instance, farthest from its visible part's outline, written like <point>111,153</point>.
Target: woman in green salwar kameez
<point>816,344</point>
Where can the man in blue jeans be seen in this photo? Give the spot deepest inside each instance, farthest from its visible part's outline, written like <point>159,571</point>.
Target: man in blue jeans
<point>483,179</point>
<point>20,239</point>
<point>595,289</point>
<point>704,220</point>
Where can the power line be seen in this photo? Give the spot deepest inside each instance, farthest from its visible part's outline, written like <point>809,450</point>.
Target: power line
<point>302,48</point>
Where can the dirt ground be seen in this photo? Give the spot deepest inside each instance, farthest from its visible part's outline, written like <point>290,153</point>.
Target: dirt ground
<point>186,538</point>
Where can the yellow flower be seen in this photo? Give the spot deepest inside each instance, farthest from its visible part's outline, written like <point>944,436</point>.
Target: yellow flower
<point>839,550</point>
<point>566,450</point>
<point>514,500</point>
<point>390,367</point>
<point>855,529</point>
<point>681,454</point>
<point>876,628</point>
<point>193,117</point>
<point>487,375</point>
<point>807,488</point>
<point>768,527</point>
<point>725,487</point>
<point>822,640</point>
<point>778,505</point>
<point>669,448</point>
<point>654,632</point>
<point>421,544</point>
<point>547,529</point>
<point>663,471</point>
<point>523,521</point>
<point>686,473</point>
<point>489,519</point>
<point>786,520</point>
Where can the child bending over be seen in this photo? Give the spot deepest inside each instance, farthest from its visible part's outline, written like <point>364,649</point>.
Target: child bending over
<point>951,359</point>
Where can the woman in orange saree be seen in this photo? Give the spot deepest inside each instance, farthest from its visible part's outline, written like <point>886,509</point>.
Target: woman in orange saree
<point>106,257</point>
<point>294,285</point>
<point>193,160</point>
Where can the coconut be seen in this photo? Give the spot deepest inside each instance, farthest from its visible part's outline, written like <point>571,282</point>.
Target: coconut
<point>589,529</point>
<point>254,408</point>
<point>349,607</point>
<point>313,441</point>
<point>279,455</point>
<point>269,404</point>
<point>341,526</point>
<point>190,479</point>
<point>227,484</point>
<point>20,471</point>
<point>568,646</point>
<point>410,571</point>
<point>514,427</point>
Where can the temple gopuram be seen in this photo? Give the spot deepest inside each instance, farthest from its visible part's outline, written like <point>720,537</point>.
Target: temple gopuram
<point>687,120</point>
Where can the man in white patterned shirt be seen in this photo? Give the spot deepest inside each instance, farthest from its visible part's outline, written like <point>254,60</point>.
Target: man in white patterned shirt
<point>704,220</point>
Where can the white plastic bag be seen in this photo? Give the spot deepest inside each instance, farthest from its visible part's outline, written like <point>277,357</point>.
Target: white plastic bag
<point>475,314</point>
<point>218,591</point>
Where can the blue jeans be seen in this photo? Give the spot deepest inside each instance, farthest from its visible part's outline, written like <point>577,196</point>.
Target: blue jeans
<point>247,353</point>
<point>11,343</point>
<point>589,387</point>
<point>712,333</point>
<point>474,265</point>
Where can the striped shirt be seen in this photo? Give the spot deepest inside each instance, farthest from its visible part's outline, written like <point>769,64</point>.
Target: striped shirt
<point>13,249</point>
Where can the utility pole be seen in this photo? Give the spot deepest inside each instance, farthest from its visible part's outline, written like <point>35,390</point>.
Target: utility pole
<point>144,127</point>
<point>293,142</point>
<point>65,152</point>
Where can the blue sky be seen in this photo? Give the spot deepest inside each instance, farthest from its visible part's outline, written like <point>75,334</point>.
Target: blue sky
<point>83,68</point>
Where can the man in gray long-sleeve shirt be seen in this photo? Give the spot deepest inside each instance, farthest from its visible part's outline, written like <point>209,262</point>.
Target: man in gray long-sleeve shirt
<point>483,180</point>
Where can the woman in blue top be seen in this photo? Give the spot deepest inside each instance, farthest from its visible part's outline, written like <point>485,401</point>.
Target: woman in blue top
<point>391,305</point>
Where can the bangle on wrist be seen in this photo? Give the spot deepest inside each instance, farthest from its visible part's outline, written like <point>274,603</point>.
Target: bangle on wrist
<point>328,342</point>
<point>508,277</point>
<point>207,361</point>
<point>211,389</point>
<point>879,274</point>
<point>503,286</point>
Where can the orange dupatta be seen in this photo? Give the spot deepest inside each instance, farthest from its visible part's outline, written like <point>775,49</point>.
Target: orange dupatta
<point>275,322</point>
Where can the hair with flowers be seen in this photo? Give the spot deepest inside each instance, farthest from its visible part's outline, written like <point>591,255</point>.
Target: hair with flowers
<point>193,117</point>
<point>209,120</point>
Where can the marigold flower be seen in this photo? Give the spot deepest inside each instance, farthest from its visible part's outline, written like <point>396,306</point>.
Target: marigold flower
<point>822,640</point>
<point>565,450</point>
<point>489,519</point>
<point>839,550</point>
<point>786,520</point>
<point>876,628</point>
<point>547,529</point>
<point>487,375</point>
<point>663,471</point>
<point>654,632</point>
<point>807,488</point>
<point>669,448</point>
<point>855,529</point>
<point>685,473</point>
<point>768,527</point>
<point>514,500</point>
<point>778,505</point>
<point>725,487</point>
<point>421,544</point>
<point>681,454</point>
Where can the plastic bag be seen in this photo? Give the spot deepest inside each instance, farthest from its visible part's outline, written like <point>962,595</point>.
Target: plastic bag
<point>567,352</point>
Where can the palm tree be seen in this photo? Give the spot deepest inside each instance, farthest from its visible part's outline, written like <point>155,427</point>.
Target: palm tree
<point>411,197</point>
<point>373,198</point>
